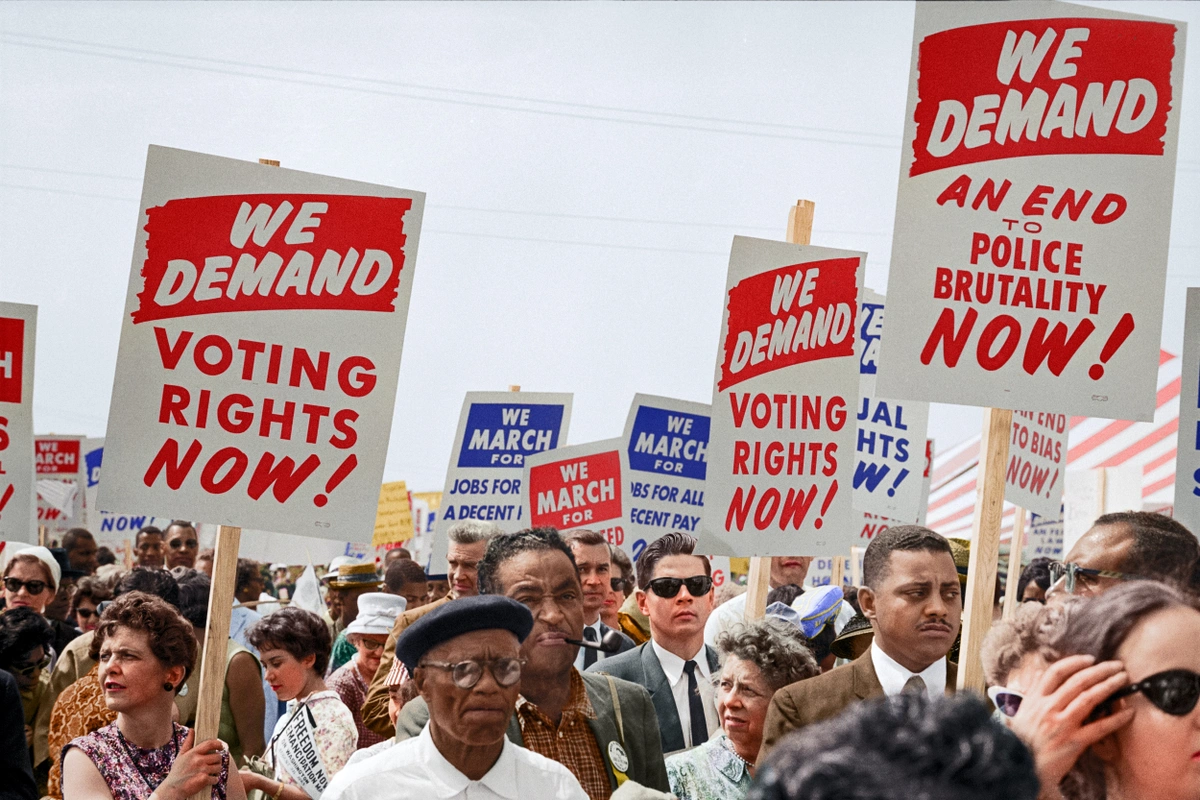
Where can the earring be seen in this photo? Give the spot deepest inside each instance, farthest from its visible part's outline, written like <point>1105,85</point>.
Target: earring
<point>169,686</point>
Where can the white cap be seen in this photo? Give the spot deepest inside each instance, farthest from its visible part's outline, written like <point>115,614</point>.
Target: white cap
<point>332,570</point>
<point>41,554</point>
<point>377,612</point>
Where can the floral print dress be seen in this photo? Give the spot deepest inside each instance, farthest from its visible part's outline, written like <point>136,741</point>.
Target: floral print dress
<point>132,772</point>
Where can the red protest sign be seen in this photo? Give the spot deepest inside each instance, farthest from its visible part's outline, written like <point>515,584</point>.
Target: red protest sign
<point>57,456</point>
<point>575,487</point>
<point>12,355</point>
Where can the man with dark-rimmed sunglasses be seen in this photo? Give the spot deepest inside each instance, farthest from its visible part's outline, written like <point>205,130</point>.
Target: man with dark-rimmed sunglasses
<point>675,591</point>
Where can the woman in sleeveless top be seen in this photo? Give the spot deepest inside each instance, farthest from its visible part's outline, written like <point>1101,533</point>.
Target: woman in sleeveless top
<point>145,651</point>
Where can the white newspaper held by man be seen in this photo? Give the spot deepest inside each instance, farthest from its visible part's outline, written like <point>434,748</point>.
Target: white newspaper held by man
<point>1187,458</point>
<point>1029,256</point>
<point>1037,462</point>
<point>18,496</point>
<point>260,346</point>
<point>497,433</point>
<point>781,450</point>
<point>889,462</point>
<point>580,486</point>
<point>666,448</point>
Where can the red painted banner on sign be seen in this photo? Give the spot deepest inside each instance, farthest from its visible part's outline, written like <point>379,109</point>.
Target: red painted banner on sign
<point>12,353</point>
<point>56,456</point>
<point>577,491</point>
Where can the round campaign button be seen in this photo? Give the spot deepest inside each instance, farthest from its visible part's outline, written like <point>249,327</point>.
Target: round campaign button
<point>616,754</point>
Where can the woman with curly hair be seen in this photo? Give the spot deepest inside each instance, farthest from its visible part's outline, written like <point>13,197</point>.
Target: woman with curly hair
<point>145,651</point>
<point>759,658</point>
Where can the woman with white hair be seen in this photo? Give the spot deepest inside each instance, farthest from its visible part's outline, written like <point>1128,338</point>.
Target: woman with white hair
<point>377,612</point>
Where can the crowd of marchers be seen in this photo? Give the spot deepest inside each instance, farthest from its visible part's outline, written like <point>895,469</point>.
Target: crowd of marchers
<point>544,664</point>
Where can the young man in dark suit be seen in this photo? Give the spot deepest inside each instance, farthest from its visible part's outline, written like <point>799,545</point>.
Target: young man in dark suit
<point>594,565</point>
<point>675,591</point>
<point>912,596</point>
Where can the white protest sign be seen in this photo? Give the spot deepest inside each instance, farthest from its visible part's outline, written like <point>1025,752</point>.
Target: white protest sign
<point>875,524</point>
<point>889,463</point>
<point>18,498</point>
<point>296,751</point>
<point>107,526</point>
<point>1038,166</point>
<point>1187,453</point>
<point>1044,538</point>
<point>260,346</point>
<point>497,433</point>
<point>781,449</point>
<point>60,482</point>
<point>1083,501</point>
<point>1037,458</point>
<point>577,487</point>
<point>666,448</point>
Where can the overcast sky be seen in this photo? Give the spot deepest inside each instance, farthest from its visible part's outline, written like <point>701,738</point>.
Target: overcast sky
<point>586,166</point>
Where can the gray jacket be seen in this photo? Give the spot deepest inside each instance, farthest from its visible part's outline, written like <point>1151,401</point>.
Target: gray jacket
<point>639,723</point>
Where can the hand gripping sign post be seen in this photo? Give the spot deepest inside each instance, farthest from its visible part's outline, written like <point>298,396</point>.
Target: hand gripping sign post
<point>1187,464</point>
<point>577,487</point>
<point>1038,165</point>
<point>259,353</point>
<point>18,497</point>
<point>781,452</point>
<point>497,433</point>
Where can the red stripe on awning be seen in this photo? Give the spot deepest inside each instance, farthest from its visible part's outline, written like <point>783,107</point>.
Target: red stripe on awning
<point>1155,436</point>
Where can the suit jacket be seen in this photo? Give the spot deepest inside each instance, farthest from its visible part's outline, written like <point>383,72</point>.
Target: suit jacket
<point>819,698</point>
<point>627,644</point>
<point>375,707</point>
<point>640,665</point>
<point>638,720</point>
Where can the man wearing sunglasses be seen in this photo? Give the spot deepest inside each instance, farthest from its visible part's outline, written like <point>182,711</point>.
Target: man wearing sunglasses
<point>465,658</point>
<point>912,597</point>
<point>182,544</point>
<point>594,566</point>
<point>675,591</point>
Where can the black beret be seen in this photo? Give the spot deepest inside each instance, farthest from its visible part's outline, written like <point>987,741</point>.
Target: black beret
<point>482,612</point>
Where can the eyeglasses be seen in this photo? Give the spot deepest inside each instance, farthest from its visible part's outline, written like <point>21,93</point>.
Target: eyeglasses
<point>33,587</point>
<point>1006,700</point>
<point>697,586</point>
<point>367,644</point>
<point>1173,692</point>
<point>179,544</point>
<point>617,584</point>
<point>27,670</point>
<point>466,674</point>
<point>86,613</point>
<point>1086,577</point>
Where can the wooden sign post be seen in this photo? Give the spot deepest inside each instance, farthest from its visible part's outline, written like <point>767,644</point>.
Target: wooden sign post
<point>985,547</point>
<point>1015,548</point>
<point>799,231</point>
<point>212,662</point>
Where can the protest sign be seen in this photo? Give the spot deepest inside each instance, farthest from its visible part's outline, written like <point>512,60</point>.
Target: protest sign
<point>109,526</point>
<point>296,750</point>
<point>497,433</point>
<point>425,511</point>
<point>781,448</point>
<point>60,482</point>
<point>260,346</point>
<point>1044,537</point>
<point>666,448</point>
<point>1038,165</point>
<point>577,487</point>
<point>270,547</point>
<point>393,516</point>
<point>18,498</point>
<point>887,466</point>
<point>1037,458</point>
<point>1187,452</point>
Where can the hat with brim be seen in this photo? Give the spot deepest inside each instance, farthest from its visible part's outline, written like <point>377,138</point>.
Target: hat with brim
<point>482,612</point>
<point>817,607</point>
<point>857,626</point>
<point>961,550</point>
<point>331,572</point>
<point>42,554</point>
<point>359,575</point>
<point>377,612</point>
<point>397,675</point>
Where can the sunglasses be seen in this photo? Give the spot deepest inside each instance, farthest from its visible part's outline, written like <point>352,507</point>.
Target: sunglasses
<point>1007,701</point>
<point>1173,692</point>
<point>466,674</point>
<point>33,587</point>
<point>28,670</point>
<point>1075,574</point>
<point>617,584</point>
<point>179,544</point>
<point>86,613</point>
<point>697,586</point>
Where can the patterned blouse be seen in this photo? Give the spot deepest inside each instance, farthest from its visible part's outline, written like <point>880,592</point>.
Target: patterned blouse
<point>712,771</point>
<point>132,772</point>
<point>335,734</point>
<point>348,682</point>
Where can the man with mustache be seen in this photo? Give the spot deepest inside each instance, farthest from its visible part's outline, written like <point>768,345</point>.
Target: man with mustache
<point>911,596</point>
<point>604,730</point>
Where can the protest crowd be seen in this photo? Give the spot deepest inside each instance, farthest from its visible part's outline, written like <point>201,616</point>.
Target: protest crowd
<point>513,681</point>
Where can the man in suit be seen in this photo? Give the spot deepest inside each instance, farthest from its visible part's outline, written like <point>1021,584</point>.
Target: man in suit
<point>468,541</point>
<point>604,730</point>
<point>675,591</point>
<point>594,565</point>
<point>912,597</point>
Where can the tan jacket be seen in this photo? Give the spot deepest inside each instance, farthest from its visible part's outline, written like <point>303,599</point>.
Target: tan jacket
<point>816,699</point>
<point>375,708</point>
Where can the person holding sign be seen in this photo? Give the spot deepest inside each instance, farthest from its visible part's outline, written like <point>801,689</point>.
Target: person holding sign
<point>317,735</point>
<point>465,658</point>
<point>146,651</point>
<point>912,596</point>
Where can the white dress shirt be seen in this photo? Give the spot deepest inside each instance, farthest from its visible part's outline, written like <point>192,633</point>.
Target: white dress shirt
<point>415,770</point>
<point>892,676</point>
<point>672,666</point>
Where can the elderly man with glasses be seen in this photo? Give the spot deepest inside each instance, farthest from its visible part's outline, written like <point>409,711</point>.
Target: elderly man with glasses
<point>465,658</point>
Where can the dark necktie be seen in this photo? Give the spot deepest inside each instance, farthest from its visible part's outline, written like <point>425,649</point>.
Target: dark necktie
<point>696,706</point>
<point>914,685</point>
<point>589,654</point>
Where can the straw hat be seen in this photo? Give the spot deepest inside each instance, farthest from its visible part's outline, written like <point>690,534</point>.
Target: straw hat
<point>377,613</point>
<point>857,626</point>
<point>356,575</point>
<point>331,571</point>
<point>961,549</point>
